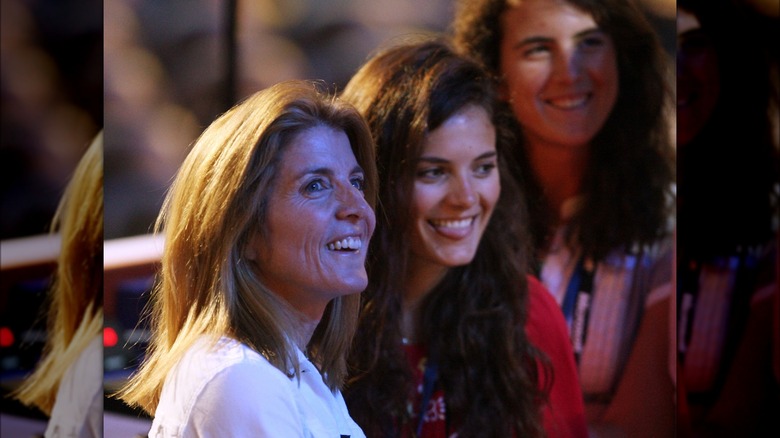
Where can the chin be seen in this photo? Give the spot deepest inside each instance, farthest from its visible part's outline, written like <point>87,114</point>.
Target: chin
<point>354,287</point>
<point>456,260</point>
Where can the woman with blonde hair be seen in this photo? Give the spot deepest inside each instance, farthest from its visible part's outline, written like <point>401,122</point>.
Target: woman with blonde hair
<point>266,228</point>
<point>67,382</point>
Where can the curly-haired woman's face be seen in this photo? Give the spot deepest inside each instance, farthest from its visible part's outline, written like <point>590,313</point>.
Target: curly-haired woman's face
<point>456,188</point>
<point>318,225</point>
<point>698,80</point>
<point>559,70</point>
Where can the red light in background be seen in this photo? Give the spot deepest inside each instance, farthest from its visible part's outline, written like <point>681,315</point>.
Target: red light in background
<point>6,337</point>
<point>110,337</point>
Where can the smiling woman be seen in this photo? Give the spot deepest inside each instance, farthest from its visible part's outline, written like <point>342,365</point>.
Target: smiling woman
<point>266,232</point>
<point>588,83</point>
<point>318,221</point>
<point>454,336</point>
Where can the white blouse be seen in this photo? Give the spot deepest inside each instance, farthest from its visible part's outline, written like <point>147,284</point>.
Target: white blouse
<point>230,390</point>
<point>78,408</point>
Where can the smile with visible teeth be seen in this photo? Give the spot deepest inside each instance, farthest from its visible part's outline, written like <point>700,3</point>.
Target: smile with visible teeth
<point>449,223</point>
<point>348,244</point>
<point>569,102</point>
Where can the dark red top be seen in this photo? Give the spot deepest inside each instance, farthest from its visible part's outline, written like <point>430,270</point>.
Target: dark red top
<point>564,416</point>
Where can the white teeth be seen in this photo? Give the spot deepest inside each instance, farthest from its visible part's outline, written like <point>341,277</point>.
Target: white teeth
<point>462,223</point>
<point>350,243</point>
<point>568,103</point>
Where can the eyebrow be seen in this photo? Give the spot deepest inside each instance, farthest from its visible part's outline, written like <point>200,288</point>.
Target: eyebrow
<point>437,160</point>
<point>543,39</point>
<point>325,171</point>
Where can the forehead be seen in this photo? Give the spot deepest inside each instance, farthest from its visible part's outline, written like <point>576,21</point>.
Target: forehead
<point>318,146</point>
<point>545,13</point>
<point>467,131</point>
<point>686,22</point>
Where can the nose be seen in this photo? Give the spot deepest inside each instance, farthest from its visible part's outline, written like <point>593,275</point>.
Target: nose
<point>352,204</point>
<point>567,65</point>
<point>461,192</point>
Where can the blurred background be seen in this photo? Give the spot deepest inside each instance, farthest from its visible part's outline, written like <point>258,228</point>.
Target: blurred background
<point>51,95</point>
<point>153,74</point>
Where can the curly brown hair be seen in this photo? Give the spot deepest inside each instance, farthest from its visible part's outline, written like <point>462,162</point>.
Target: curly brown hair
<point>473,320</point>
<point>629,179</point>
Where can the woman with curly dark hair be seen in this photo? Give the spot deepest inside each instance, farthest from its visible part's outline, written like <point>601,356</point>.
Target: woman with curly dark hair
<point>588,83</point>
<point>454,336</point>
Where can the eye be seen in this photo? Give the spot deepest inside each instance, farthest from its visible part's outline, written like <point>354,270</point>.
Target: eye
<point>314,186</point>
<point>430,173</point>
<point>358,182</point>
<point>536,50</point>
<point>485,169</point>
<point>592,42</point>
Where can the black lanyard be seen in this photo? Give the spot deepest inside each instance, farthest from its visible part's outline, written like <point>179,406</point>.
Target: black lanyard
<point>577,303</point>
<point>688,287</point>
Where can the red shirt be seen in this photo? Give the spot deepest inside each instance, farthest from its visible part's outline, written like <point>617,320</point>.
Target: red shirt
<point>564,416</point>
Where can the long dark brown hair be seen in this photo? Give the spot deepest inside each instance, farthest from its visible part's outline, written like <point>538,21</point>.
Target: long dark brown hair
<point>473,320</point>
<point>628,182</point>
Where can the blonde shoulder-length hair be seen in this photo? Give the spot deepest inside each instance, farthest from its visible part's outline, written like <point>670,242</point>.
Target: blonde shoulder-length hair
<point>75,300</point>
<point>218,201</point>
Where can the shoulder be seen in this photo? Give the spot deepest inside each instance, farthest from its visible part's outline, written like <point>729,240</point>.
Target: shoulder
<point>564,415</point>
<point>541,303</point>
<point>545,325</point>
<point>225,379</point>
<point>74,407</point>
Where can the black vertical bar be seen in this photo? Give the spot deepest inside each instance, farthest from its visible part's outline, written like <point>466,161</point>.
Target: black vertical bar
<point>231,50</point>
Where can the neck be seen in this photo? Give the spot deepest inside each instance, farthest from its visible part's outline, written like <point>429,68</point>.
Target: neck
<point>559,170</point>
<point>304,327</point>
<point>420,281</point>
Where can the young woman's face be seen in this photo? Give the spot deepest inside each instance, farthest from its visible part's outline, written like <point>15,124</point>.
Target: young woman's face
<point>559,70</point>
<point>456,187</point>
<point>319,223</point>
<point>698,81</point>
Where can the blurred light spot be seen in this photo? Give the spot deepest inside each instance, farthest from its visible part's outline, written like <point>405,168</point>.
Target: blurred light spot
<point>6,337</point>
<point>110,337</point>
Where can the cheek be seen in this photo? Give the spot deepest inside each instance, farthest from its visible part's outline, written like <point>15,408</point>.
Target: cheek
<point>423,201</point>
<point>299,232</point>
<point>605,74</point>
<point>608,70</point>
<point>525,80</point>
<point>491,191</point>
<point>603,67</point>
<point>522,90</point>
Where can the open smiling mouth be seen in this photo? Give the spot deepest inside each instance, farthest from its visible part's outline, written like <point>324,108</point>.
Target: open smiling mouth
<point>452,223</point>
<point>349,244</point>
<point>567,103</point>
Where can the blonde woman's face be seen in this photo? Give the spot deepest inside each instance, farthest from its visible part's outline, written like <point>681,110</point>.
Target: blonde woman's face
<point>319,223</point>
